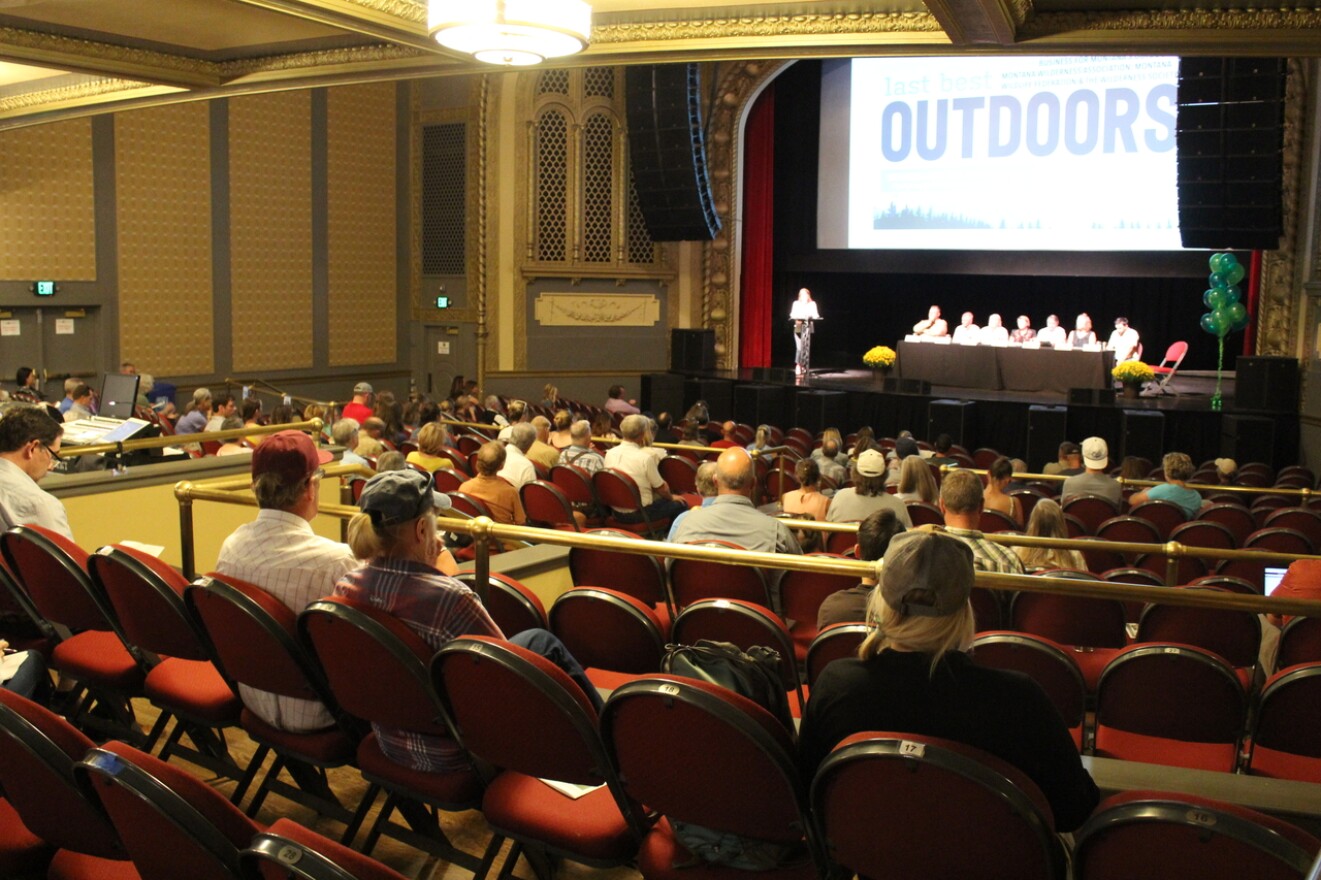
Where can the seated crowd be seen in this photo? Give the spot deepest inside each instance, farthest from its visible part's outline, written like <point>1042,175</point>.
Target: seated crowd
<point>914,672</point>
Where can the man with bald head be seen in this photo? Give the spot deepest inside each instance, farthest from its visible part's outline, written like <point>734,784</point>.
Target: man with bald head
<point>734,518</point>
<point>726,440</point>
<point>632,458</point>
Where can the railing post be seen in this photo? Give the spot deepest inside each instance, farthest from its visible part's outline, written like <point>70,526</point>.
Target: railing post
<point>1173,552</point>
<point>481,536</point>
<point>187,551</point>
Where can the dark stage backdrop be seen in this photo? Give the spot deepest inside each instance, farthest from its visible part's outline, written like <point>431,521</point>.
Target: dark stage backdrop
<point>874,297</point>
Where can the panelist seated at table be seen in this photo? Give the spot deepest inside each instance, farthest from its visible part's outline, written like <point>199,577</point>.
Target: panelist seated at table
<point>994,333</point>
<point>1124,341</point>
<point>1081,335</point>
<point>1024,332</point>
<point>967,333</point>
<point>1052,333</point>
<point>933,325</point>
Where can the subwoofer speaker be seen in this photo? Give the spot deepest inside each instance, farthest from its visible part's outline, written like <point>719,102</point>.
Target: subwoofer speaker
<point>1266,383</point>
<point>668,151</point>
<point>1230,152</point>
<point>692,350</point>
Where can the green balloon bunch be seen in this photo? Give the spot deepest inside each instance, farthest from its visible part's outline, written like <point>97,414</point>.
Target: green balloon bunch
<point>1227,314</point>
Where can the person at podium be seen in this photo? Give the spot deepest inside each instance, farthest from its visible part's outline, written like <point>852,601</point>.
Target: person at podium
<point>802,314</point>
<point>1052,333</point>
<point>1024,333</point>
<point>933,326</point>
<point>994,333</point>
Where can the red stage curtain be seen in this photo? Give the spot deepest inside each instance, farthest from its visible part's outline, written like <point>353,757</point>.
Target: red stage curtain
<point>758,233</point>
<point>1254,293</point>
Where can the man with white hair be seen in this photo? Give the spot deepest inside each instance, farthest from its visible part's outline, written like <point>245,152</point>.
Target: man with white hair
<point>518,469</point>
<point>579,452</point>
<point>631,458</point>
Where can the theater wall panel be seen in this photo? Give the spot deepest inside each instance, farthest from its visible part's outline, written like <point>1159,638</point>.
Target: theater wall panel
<point>47,221</point>
<point>361,224</point>
<point>163,186</point>
<point>270,169</point>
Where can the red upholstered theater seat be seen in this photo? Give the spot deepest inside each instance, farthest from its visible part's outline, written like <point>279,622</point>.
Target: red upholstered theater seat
<point>1159,834</point>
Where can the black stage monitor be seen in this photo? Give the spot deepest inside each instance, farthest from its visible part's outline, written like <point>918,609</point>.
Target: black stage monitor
<point>119,394</point>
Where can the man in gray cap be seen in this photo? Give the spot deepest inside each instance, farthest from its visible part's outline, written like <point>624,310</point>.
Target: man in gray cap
<point>360,409</point>
<point>1094,480</point>
<point>914,675</point>
<point>396,537</point>
<point>867,494</point>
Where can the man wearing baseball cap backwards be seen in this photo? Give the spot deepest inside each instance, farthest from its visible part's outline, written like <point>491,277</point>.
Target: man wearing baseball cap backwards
<point>867,494</point>
<point>395,535</point>
<point>280,553</point>
<point>914,675</point>
<point>1094,480</point>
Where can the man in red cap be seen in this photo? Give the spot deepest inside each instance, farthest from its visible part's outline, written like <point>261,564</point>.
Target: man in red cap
<point>280,553</point>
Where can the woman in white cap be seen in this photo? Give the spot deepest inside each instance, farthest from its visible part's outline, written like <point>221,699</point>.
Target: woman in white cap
<point>396,535</point>
<point>913,675</point>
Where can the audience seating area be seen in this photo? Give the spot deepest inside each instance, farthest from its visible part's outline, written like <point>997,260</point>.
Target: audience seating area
<point>1153,683</point>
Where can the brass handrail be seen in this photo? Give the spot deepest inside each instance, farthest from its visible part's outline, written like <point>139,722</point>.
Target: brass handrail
<point>312,426</point>
<point>1126,481</point>
<point>484,530</point>
<point>264,387</point>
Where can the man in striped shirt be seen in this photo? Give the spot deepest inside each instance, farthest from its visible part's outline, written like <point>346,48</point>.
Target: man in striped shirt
<point>961,502</point>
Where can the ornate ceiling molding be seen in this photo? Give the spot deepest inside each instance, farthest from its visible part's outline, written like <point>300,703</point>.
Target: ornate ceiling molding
<point>408,10</point>
<point>377,53</point>
<point>1224,23</point>
<point>781,26</point>
<point>55,50</point>
<point>70,94</point>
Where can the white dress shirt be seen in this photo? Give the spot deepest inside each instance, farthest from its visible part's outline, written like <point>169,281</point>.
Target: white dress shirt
<point>280,553</point>
<point>518,469</point>
<point>24,503</point>
<point>639,464</point>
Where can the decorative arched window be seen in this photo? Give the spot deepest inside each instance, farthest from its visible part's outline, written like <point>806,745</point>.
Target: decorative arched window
<point>584,216</point>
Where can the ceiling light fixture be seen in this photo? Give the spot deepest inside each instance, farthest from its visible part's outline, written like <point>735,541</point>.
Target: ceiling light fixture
<point>514,32</point>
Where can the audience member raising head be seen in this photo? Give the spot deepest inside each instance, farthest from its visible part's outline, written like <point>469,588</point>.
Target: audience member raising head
<point>913,674</point>
<point>1047,521</point>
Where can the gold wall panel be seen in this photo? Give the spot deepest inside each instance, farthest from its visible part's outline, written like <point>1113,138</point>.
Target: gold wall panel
<point>163,188</point>
<point>596,310</point>
<point>47,222</point>
<point>360,189</point>
<point>270,173</point>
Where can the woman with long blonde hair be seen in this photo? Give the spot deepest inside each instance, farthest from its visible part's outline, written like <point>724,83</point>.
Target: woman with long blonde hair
<point>913,674</point>
<point>1047,521</point>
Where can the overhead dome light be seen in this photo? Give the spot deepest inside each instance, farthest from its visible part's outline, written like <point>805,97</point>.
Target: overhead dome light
<point>511,32</point>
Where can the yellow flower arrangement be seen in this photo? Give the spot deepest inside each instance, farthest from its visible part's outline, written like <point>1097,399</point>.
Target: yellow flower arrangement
<point>1133,372</point>
<point>879,356</point>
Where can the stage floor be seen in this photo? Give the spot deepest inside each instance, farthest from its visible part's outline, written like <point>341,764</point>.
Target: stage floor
<point>1189,391</point>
